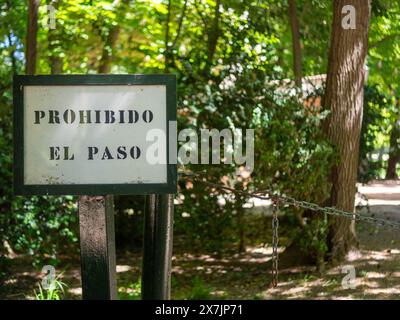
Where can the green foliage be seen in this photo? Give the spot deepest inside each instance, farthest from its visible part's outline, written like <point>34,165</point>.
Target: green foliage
<point>378,116</point>
<point>38,226</point>
<point>128,221</point>
<point>291,155</point>
<point>199,290</point>
<point>132,292</point>
<point>55,291</point>
<point>312,238</point>
<point>229,61</point>
<point>206,224</point>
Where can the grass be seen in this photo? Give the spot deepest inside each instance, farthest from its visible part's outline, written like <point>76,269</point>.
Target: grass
<point>130,292</point>
<point>55,290</point>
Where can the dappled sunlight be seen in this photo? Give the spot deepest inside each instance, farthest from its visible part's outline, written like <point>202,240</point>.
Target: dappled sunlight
<point>75,291</point>
<point>383,291</point>
<point>247,275</point>
<point>123,268</point>
<point>374,264</point>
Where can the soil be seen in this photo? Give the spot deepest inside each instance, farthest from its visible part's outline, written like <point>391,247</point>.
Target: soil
<point>376,266</point>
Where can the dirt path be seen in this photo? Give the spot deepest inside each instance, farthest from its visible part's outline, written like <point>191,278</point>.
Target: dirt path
<point>246,276</point>
<point>376,263</point>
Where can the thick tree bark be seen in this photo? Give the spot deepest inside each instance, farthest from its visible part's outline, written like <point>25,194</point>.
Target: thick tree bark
<point>12,55</point>
<point>106,57</point>
<point>294,25</point>
<point>239,203</point>
<point>213,34</point>
<point>167,52</point>
<point>54,44</point>
<point>31,37</point>
<point>169,44</point>
<point>344,97</point>
<point>111,40</point>
<point>394,152</point>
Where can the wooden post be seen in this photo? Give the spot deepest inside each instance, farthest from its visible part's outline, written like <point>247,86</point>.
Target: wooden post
<point>97,241</point>
<point>157,250</point>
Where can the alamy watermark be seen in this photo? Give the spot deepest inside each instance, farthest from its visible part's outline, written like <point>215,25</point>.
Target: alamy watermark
<point>50,21</point>
<point>202,147</point>
<point>349,20</point>
<point>48,281</point>
<point>349,280</point>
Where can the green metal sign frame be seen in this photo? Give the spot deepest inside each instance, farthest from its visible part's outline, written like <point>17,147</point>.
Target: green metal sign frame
<point>20,188</point>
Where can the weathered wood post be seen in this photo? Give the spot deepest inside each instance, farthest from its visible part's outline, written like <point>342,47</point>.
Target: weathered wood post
<point>157,249</point>
<point>97,242</point>
<point>91,135</point>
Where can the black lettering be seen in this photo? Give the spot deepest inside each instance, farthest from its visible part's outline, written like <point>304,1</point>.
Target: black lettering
<point>135,152</point>
<point>97,112</point>
<point>66,154</point>
<point>121,116</point>
<point>110,116</point>
<point>133,116</point>
<point>39,115</point>
<point>147,116</point>
<point>121,152</point>
<point>92,152</point>
<point>54,153</point>
<point>54,116</point>
<point>106,155</point>
<point>72,116</point>
<point>82,116</point>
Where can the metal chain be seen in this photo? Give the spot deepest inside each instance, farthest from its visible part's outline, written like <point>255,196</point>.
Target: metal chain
<point>336,212</point>
<point>275,239</point>
<point>285,200</point>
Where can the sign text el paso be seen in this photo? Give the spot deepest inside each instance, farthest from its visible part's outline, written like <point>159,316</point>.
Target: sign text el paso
<point>90,134</point>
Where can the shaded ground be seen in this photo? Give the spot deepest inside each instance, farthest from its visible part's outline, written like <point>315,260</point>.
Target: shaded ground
<point>247,275</point>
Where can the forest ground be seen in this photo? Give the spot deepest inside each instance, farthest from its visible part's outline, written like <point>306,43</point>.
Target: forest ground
<point>247,275</point>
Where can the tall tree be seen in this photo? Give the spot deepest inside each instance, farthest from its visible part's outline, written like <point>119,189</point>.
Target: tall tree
<point>169,47</point>
<point>344,98</point>
<point>55,43</point>
<point>12,54</point>
<point>111,39</point>
<point>213,32</point>
<point>294,25</point>
<point>394,148</point>
<point>31,37</point>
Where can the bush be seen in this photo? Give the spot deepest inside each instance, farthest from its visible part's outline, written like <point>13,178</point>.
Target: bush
<point>39,226</point>
<point>376,122</point>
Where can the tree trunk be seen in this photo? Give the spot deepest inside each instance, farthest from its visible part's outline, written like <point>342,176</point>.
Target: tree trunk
<point>106,57</point>
<point>394,152</point>
<point>294,24</point>
<point>239,202</point>
<point>169,44</point>
<point>213,34</point>
<point>31,37</point>
<point>12,55</point>
<point>111,40</point>
<point>167,52</point>
<point>344,97</point>
<point>54,45</point>
<point>11,44</point>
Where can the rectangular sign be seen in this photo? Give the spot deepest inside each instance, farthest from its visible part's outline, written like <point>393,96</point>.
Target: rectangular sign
<point>93,134</point>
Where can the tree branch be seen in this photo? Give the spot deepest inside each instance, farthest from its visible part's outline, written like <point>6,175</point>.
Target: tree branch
<point>180,24</point>
<point>383,40</point>
<point>294,24</point>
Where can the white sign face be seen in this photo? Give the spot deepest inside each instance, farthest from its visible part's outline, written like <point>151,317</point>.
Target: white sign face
<point>93,134</point>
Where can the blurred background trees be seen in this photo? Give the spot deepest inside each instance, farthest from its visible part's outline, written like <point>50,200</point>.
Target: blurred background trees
<point>231,58</point>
